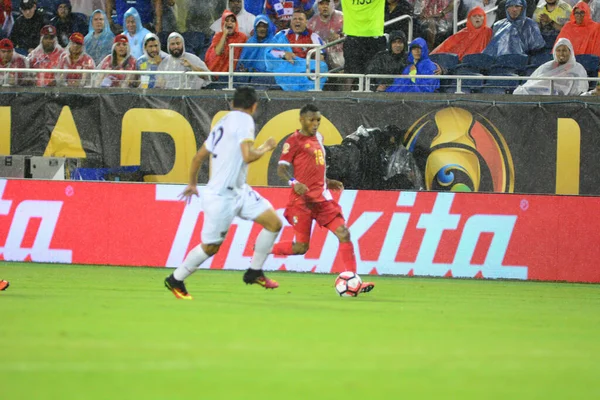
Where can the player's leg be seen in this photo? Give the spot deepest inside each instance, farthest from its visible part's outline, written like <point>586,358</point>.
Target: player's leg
<point>330,216</point>
<point>301,219</point>
<point>4,284</point>
<point>218,214</point>
<point>256,208</point>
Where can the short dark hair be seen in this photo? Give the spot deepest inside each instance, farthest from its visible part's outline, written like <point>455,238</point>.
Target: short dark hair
<point>308,108</point>
<point>244,97</point>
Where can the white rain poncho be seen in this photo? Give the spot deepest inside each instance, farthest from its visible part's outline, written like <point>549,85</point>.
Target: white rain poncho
<point>552,69</point>
<point>172,63</point>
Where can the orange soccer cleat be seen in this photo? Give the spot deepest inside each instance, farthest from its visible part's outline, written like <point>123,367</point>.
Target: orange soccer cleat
<point>366,287</point>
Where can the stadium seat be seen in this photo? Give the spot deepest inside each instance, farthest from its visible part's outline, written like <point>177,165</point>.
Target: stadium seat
<point>264,83</point>
<point>467,85</point>
<point>447,61</point>
<point>195,43</point>
<point>539,59</point>
<point>501,87</point>
<point>590,63</point>
<point>509,64</point>
<point>479,62</point>
<point>163,39</point>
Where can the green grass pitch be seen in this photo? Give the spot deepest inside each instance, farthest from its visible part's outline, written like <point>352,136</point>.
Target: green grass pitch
<point>83,332</point>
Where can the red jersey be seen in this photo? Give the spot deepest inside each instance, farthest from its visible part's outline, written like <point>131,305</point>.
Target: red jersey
<point>83,62</point>
<point>307,155</point>
<point>40,59</point>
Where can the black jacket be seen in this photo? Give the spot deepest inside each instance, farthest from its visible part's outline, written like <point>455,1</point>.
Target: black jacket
<point>26,32</point>
<point>387,63</point>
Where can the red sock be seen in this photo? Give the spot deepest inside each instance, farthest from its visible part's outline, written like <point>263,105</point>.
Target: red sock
<point>348,258</point>
<point>283,248</point>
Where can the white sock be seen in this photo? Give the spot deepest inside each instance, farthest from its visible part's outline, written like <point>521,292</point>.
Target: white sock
<point>262,248</point>
<point>192,261</point>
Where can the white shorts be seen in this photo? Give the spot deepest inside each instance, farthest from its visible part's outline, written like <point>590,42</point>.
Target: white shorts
<point>219,212</point>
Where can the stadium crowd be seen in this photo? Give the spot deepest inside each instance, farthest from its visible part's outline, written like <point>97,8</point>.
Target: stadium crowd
<point>522,37</point>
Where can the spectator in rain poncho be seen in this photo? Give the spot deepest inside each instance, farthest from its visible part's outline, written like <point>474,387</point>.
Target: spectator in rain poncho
<point>217,55</point>
<point>293,59</point>
<point>99,40</point>
<point>46,56</point>
<point>563,65</point>
<point>516,34</point>
<point>120,59</point>
<point>252,59</point>
<point>75,57</point>
<point>135,32</point>
<point>470,40</point>
<point>244,19</point>
<point>418,64</point>
<point>180,60</point>
<point>150,61</point>
<point>581,30</point>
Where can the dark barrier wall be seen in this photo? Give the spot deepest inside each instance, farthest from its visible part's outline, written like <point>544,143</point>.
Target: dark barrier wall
<point>460,145</point>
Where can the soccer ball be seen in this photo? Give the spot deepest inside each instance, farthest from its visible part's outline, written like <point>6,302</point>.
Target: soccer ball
<point>348,284</point>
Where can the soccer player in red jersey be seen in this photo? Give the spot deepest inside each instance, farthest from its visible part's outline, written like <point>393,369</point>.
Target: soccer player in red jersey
<point>310,198</point>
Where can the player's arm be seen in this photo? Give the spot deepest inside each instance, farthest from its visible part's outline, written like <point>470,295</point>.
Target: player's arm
<point>285,173</point>
<point>197,161</point>
<point>251,154</point>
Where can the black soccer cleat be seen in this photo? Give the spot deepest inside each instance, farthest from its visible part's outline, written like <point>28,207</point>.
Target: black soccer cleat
<point>257,276</point>
<point>177,288</point>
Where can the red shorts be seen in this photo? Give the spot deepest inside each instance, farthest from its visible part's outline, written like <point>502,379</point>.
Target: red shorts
<point>328,214</point>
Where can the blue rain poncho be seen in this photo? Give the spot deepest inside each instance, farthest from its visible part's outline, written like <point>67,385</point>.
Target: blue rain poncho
<point>519,36</point>
<point>278,65</point>
<point>423,67</point>
<point>253,58</point>
<point>99,46</point>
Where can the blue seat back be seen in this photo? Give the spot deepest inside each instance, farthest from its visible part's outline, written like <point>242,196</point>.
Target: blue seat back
<point>590,63</point>
<point>447,61</point>
<point>479,61</point>
<point>540,58</point>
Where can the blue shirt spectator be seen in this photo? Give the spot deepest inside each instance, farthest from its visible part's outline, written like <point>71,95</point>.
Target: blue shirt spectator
<point>150,61</point>
<point>418,64</point>
<point>67,23</point>
<point>144,7</point>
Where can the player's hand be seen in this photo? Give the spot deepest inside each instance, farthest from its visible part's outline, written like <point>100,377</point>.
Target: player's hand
<point>289,56</point>
<point>334,185</point>
<point>187,194</point>
<point>269,145</point>
<point>300,189</point>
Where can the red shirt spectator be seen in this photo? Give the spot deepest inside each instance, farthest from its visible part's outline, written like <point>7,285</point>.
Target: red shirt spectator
<point>46,56</point>
<point>119,59</point>
<point>5,7</point>
<point>10,59</point>
<point>76,58</point>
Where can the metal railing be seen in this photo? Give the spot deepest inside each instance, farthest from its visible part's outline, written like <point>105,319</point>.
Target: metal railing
<point>364,81</point>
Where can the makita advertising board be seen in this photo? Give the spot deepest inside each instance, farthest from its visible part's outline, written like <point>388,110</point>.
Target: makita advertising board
<point>472,235</point>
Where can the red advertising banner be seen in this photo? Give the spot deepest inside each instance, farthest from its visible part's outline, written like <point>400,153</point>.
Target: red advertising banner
<point>474,235</point>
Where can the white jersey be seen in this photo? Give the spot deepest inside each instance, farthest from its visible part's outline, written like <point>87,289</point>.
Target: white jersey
<point>228,169</point>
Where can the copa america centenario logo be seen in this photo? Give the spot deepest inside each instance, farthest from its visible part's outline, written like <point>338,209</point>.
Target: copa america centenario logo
<point>460,151</point>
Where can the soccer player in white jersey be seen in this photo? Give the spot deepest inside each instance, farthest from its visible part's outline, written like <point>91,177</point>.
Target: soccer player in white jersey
<point>230,145</point>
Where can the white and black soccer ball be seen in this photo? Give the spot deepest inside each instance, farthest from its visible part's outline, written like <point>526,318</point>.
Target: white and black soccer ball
<point>347,284</point>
